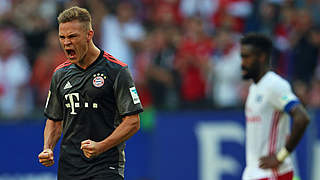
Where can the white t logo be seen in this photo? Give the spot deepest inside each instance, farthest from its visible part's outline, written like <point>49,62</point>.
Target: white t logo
<point>72,104</point>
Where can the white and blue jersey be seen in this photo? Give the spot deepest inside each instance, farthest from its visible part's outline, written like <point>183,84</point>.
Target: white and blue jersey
<point>267,124</point>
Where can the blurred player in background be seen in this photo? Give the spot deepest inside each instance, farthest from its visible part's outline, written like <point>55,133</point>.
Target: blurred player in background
<point>269,106</point>
<point>93,101</point>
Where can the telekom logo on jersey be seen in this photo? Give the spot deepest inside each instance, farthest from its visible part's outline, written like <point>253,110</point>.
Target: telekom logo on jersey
<point>74,102</point>
<point>250,117</point>
<point>253,118</point>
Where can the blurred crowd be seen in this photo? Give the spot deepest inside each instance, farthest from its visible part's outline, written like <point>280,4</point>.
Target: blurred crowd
<point>183,54</point>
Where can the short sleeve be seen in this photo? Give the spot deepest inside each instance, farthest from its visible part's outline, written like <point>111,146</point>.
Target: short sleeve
<point>282,97</point>
<point>53,107</point>
<point>126,95</point>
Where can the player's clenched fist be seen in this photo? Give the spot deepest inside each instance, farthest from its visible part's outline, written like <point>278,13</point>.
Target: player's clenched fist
<point>46,157</point>
<point>90,148</point>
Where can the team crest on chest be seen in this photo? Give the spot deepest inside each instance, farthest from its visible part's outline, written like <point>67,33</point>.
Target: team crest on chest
<point>98,80</point>
<point>259,98</point>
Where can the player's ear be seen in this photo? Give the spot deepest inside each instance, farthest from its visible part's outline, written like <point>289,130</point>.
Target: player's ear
<point>90,35</point>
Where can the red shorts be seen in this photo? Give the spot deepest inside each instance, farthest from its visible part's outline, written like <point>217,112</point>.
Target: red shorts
<point>287,176</point>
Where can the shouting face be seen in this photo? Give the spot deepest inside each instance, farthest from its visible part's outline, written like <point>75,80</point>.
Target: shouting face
<point>74,39</point>
<point>250,62</point>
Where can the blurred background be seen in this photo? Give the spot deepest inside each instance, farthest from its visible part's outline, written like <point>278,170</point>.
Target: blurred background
<point>184,57</point>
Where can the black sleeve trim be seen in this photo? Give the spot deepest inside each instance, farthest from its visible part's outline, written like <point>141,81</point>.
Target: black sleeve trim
<point>132,113</point>
<point>54,119</point>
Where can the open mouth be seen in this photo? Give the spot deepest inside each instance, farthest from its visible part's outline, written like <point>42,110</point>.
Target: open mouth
<point>71,53</point>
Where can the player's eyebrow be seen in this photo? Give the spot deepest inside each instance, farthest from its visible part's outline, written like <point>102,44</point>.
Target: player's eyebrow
<point>69,35</point>
<point>72,35</point>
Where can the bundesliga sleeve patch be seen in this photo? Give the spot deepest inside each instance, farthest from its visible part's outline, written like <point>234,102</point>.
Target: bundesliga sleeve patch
<point>134,95</point>
<point>286,99</point>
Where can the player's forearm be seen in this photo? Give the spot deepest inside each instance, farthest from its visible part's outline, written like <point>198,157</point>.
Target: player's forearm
<point>300,123</point>
<point>129,126</point>
<point>52,133</point>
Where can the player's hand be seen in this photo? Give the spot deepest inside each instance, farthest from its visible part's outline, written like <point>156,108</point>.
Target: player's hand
<point>46,157</point>
<point>91,148</point>
<point>269,162</point>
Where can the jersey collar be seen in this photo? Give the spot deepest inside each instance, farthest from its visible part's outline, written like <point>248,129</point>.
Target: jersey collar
<point>92,64</point>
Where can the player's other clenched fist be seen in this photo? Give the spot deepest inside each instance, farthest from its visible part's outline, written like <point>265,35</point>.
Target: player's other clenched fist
<point>46,157</point>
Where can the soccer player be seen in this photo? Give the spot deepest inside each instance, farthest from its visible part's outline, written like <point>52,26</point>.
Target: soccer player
<point>268,109</point>
<point>93,101</point>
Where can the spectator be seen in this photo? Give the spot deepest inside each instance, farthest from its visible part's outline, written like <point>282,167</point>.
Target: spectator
<point>282,35</point>
<point>225,79</point>
<point>232,12</point>
<point>163,79</point>
<point>49,58</point>
<point>121,32</point>
<point>166,13</point>
<point>304,51</point>
<point>14,76</point>
<point>33,18</point>
<point>142,61</point>
<point>205,8</point>
<point>192,63</point>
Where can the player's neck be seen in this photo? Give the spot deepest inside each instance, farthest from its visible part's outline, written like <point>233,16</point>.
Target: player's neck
<point>261,74</point>
<point>90,57</point>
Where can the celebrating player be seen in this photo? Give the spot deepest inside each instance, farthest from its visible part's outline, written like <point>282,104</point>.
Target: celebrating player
<point>268,109</point>
<point>93,101</point>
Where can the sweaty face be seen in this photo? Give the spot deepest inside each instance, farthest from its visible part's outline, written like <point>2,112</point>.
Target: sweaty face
<point>74,40</point>
<point>249,63</point>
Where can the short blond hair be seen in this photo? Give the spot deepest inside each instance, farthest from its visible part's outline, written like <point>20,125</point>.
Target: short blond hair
<point>76,13</point>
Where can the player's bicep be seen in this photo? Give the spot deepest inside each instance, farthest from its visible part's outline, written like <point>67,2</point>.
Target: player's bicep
<point>298,112</point>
